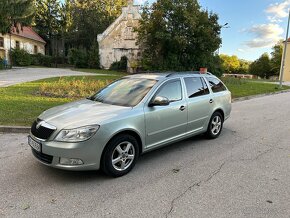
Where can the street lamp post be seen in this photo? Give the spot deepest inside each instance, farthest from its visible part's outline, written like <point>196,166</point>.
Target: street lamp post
<point>225,26</point>
<point>284,54</point>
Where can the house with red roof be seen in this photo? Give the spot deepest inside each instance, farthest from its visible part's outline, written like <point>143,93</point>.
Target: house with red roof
<point>26,38</point>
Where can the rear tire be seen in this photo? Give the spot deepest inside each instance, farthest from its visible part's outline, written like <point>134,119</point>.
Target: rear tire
<point>120,155</point>
<point>215,125</point>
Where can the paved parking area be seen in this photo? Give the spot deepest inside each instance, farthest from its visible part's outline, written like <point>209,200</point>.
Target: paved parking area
<point>20,75</point>
<point>244,173</point>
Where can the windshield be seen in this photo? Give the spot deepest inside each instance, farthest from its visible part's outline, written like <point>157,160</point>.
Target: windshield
<point>124,92</point>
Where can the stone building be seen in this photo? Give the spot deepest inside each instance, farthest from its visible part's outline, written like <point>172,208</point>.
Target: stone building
<point>26,39</point>
<point>286,75</point>
<point>119,39</point>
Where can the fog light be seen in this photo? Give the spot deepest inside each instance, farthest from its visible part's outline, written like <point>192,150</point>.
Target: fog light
<point>70,161</point>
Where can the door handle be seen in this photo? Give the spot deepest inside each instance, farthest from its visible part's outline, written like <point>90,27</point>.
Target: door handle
<point>210,101</point>
<point>182,108</point>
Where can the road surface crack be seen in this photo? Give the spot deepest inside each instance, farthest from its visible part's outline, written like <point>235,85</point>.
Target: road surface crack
<point>257,156</point>
<point>214,173</point>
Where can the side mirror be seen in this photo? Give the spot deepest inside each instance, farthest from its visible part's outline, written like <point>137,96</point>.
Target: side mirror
<point>159,101</point>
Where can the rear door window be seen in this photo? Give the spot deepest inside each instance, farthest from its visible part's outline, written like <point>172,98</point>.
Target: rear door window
<point>195,87</point>
<point>216,85</point>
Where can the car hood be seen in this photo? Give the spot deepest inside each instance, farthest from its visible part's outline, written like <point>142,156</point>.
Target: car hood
<point>82,113</point>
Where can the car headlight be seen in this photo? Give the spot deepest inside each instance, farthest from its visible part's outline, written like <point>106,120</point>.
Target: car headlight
<point>77,135</point>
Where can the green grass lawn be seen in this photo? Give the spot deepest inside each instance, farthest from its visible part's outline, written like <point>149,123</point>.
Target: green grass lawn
<point>21,104</point>
<point>243,88</point>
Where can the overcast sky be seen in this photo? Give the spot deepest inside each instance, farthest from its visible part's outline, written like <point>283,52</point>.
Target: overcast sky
<point>254,25</point>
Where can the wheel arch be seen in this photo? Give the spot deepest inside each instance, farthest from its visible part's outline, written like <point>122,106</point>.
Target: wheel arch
<point>131,132</point>
<point>221,112</point>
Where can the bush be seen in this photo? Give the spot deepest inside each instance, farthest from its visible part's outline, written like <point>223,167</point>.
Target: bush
<point>120,65</point>
<point>21,57</point>
<point>93,57</point>
<point>41,60</point>
<point>78,58</point>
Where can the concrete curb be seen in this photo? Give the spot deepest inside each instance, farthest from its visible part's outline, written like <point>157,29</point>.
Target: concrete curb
<point>14,129</point>
<point>25,129</point>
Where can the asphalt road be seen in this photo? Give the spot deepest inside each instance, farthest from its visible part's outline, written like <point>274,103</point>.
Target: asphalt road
<point>21,75</point>
<point>244,173</point>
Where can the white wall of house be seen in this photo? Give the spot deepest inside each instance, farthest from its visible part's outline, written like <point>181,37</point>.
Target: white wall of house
<point>26,44</point>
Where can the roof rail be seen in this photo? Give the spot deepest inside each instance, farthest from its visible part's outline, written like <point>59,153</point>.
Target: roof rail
<point>187,72</point>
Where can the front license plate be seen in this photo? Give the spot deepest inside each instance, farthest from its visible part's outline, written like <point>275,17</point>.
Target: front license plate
<point>34,144</point>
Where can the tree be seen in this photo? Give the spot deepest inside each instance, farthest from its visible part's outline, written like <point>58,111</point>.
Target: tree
<point>90,18</point>
<point>47,21</point>
<point>15,13</point>
<point>261,67</point>
<point>230,64</point>
<point>177,35</point>
<point>276,59</point>
<point>244,66</point>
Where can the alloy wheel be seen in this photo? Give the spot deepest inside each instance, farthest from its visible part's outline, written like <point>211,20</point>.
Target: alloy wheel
<point>123,156</point>
<point>216,125</point>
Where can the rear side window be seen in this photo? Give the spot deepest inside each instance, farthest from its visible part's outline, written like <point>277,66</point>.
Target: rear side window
<point>216,85</point>
<point>195,87</point>
<point>171,90</point>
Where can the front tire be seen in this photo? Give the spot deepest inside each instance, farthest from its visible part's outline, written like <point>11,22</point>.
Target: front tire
<point>120,155</point>
<point>215,126</point>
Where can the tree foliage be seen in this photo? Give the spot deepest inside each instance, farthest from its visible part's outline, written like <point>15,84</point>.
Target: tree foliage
<point>232,64</point>
<point>262,67</point>
<point>47,21</point>
<point>178,35</point>
<point>276,59</point>
<point>15,13</point>
<point>244,66</point>
<point>90,18</point>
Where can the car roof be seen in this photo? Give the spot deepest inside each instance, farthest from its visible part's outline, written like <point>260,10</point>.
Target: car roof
<point>163,76</point>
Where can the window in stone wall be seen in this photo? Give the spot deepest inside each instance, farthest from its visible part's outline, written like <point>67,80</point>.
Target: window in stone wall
<point>17,45</point>
<point>35,49</point>
<point>2,42</point>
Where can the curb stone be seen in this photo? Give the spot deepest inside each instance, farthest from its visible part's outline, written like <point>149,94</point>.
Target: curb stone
<point>14,129</point>
<point>25,129</point>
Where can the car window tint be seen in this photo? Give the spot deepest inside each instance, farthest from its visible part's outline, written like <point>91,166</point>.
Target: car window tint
<point>216,85</point>
<point>171,90</point>
<point>194,87</point>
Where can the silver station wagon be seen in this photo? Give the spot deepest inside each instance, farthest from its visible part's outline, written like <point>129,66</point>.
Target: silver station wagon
<point>131,116</point>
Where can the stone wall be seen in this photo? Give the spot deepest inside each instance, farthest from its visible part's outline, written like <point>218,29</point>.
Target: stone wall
<point>119,39</point>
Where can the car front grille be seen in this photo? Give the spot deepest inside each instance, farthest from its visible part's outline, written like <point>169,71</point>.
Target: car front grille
<point>42,157</point>
<point>41,132</point>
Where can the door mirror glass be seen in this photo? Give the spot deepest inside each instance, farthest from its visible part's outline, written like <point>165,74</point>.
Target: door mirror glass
<point>159,101</point>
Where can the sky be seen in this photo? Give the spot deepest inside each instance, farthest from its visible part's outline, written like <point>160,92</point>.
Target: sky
<point>254,26</point>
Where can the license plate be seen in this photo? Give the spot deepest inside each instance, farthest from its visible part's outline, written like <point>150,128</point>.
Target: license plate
<point>34,144</point>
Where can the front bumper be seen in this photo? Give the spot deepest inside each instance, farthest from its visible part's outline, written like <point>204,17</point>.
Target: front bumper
<point>89,152</point>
